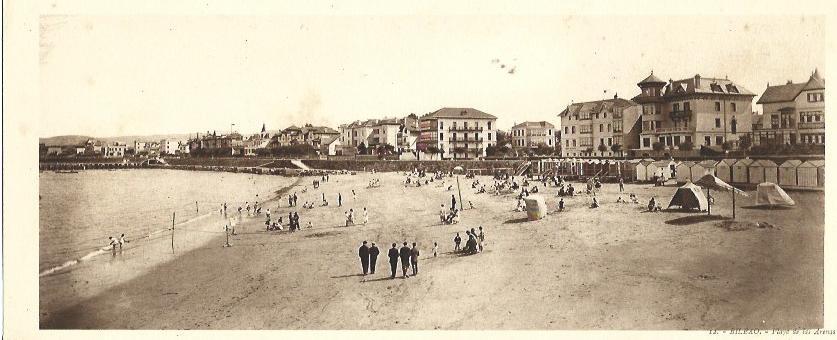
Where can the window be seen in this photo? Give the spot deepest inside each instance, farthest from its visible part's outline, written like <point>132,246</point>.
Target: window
<point>717,106</point>
<point>466,125</point>
<point>601,141</point>
<point>717,122</point>
<point>441,136</point>
<point>686,106</point>
<point>476,135</point>
<point>568,143</point>
<point>549,132</point>
<point>734,125</point>
<point>566,130</point>
<point>719,140</point>
<point>549,142</point>
<point>573,129</point>
<point>585,129</point>
<point>617,126</point>
<point>489,136</point>
<point>649,109</point>
<point>604,115</point>
<point>609,141</point>
<point>707,140</point>
<point>646,142</point>
<point>662,140</point>
<point>815,97</point>
<point>608,127</point>
<point>573,142</point>
<point>688,139</point>
<point>676,140</point>
<point>716,88</point>
<point>675,107</point>
<point>489,125</point>
<point>733,107</point>
<point>601,127</point>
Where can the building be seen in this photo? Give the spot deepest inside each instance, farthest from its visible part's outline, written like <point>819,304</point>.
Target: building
<point>331,146</point>
<point>533,134</point>
<point>140,147</point>
<point>792,113</point>
<point>183,148</point>
<point>369,134</point>
<point>54,150</point>
<point>168,146</point>
<point>115,150</point>
<point>603,128</point>
<point>308,134</point>
<point>693,111</point>
<point>456,133</point>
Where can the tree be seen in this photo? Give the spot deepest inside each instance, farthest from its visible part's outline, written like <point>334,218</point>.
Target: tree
<point>616,148</point>
<point>657,146</point>
<point>745,142</point>
<point>361,149</point>
<point>726,145</point>
<point>686,146</point>
<point>602,148</point>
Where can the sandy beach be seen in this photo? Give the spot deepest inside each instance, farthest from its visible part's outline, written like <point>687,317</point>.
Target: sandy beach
<point>615,267</point>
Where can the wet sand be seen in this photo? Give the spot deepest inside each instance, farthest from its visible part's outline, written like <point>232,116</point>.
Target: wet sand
<point>614,267</point>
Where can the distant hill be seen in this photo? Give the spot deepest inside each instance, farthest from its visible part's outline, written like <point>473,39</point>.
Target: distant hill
<point>129,140</point>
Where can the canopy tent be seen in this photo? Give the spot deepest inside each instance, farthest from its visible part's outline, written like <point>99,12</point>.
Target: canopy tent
<point>787,172</point>
<point>806,174</point>
<point>724,169</point>
<point>741,171</point>
<point>770,194</point>
<point>684,172</point>
<point>711,182</point>
<point>763,171</point>
<point>689,196</point>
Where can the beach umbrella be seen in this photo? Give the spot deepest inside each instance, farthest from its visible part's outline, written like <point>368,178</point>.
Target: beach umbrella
<point>711,182</point>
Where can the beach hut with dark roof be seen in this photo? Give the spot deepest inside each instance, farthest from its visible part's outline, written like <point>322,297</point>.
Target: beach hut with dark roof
<point>820,171</point>
<point>703,168</point>
<point>741,171</point>
<point>642,170</point>
<point>683,172</point>
<point>787,172</point>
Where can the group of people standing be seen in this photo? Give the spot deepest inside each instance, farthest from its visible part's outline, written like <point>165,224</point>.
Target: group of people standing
<point>409,259</point>
<point>473,245</point>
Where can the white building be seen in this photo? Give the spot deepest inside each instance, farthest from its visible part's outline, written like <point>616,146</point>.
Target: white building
<point>456,133</point>
<point>115,150</point>
<point>533,134</point>
<point>169,146</point>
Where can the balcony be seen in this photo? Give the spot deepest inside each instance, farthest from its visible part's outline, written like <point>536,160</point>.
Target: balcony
<point>673,130</point>
<point>465,128</point>
<point>681,114</point>
<point>812,125</point>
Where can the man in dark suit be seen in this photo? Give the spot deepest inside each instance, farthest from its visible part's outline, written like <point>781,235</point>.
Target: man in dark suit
<point>373,257</point>
<point>393,260</point>
<point>363,252</point>
<point>405,259</point>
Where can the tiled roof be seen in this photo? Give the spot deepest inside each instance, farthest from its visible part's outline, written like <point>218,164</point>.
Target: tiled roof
<point>780,93</point>
<point>596,106</point>
<point>651,79</point>
<point>454,112</point>
<point>698,84</point>
<point>814,84</point>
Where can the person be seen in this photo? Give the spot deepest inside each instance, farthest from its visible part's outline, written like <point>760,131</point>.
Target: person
<point>633,198</point>
<point>452,202</point>
<point>561,204</point>
<point>354,195</point>
<point>435,248</point>
<point>414,255</point>
<point>595,203</point>
<point>296,220</point>
<point>471,245</point>
<point>290,221</point>
<point>481,237</point>
<point>339,200</point>
<point>348,219</point>
<point>295,198</point>
<point>310,225</point>
<point>443,214</point>
<point>122,241</point>
<point>621,184</point>
<point>405,259</point>
<point>393,260</point>
<point>363,253</point>
<point>652,204</point>
<point>290,200</point>
<point>456,241</point>
<point>373,257</point>
<point>365,216</point>
<point>113,243</point>
<point>268,214</point>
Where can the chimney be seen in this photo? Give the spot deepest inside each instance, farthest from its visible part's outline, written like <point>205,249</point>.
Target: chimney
<point>616,96</point>
<point>697,80</point>
<point>789,82</point>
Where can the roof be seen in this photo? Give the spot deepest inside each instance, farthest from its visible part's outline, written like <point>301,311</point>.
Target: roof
<point>698,84</point>
<point>456,112</point>
<point>789,91</point>
<point>596,106</point>
<point>651,79</point>
<point>534,124</point>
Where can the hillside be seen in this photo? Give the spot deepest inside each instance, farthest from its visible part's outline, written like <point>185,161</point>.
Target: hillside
<point>77,139</point>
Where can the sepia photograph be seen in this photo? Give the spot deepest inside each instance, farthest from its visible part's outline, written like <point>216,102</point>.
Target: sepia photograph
<point>339,170</point>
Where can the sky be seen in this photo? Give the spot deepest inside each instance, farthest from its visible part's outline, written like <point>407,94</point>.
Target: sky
<point>114,75</point>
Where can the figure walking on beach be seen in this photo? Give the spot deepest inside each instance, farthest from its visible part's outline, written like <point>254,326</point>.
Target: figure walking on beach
<point>414,255</point>
<point>354,195</point>
<point>113,243</point>
<point>481,237</point>
<point>405,259</point>
<point>621,184</point>
<point>365,216</point>
<point>363,252</point>
<point>339,199</point>
<point>393,260</point>
<point>373,257</point>
<point>452,202</point>
<point>456,241</point>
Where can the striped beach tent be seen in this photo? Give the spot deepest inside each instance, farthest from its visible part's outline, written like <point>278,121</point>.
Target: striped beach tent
<point>787,172</point>
<point>724,169</point>
<point>684,172</point>
<point>741,171</point>
<point>762,170</point>
<point>806,174</point>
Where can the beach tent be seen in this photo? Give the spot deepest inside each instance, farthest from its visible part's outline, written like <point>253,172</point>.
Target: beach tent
<point>535,207</point>
<point>660,169</point>
<point>711,182</point>
<point>724,169</point>
<point>787,172</point>
<point>741,171</point>
<point>820,171</point>
<point>689,196</point>
<point>806,174</point>
<point>702,168</point>
<point>684,172</point>
<point>770,194</point>
<point>642,171</point>
<point>763,170</point>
